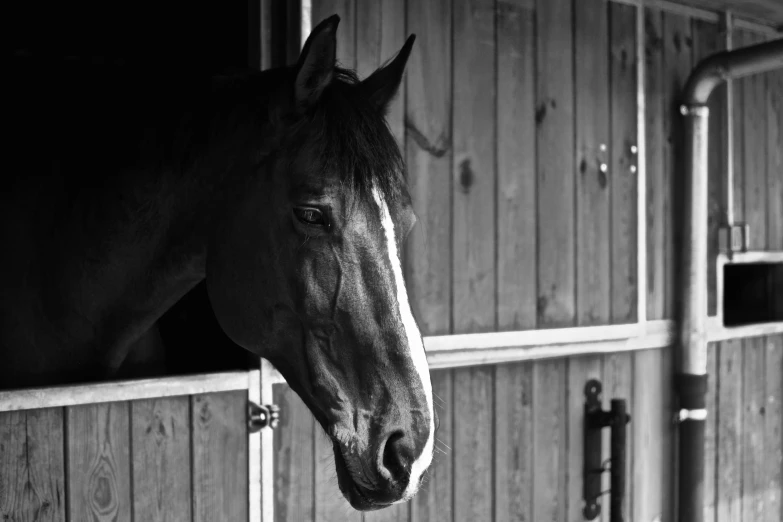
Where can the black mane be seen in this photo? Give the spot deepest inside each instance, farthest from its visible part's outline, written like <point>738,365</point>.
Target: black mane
<point>354,140</point>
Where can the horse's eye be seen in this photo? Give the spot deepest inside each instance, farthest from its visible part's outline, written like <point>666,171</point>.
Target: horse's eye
<point>310,216</point>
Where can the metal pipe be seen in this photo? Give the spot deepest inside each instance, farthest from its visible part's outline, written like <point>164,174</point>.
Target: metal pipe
<point>692,379</point>
<point>617,443</point>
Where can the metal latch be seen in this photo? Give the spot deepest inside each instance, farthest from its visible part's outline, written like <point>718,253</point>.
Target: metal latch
<point>734,238</point>
<point>262,416</point>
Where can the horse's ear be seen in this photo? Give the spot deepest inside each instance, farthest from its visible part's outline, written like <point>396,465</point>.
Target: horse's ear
<point>315,69</point>
<point>381,86</point>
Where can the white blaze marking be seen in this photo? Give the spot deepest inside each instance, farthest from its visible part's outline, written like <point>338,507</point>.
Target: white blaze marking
<point>415,344</point>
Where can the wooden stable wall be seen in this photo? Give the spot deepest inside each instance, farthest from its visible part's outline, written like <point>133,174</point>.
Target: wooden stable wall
<point>168,459</point>
<point>508,112</point>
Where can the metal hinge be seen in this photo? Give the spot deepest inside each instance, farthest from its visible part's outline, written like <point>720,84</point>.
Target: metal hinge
<point>733,238</point>
<point>262,416</point>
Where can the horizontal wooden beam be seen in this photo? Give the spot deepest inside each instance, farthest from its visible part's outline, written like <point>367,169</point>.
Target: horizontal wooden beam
<point>59,396</point>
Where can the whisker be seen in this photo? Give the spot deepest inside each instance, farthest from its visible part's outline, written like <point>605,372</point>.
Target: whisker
<point>443,443</point>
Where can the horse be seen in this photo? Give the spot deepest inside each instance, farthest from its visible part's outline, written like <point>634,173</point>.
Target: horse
<point>283,191</point>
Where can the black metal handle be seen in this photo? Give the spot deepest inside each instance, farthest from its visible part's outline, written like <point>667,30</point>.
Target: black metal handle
<point>595,420</point>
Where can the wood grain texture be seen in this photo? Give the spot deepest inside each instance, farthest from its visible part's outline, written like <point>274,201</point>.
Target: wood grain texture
<point>516,160</point>
<point>160,438</point>
<point>556,301</point>
<point>677,61</point>
<point>753,450</point>
<point>434,503</point>
<point>294,466</point>
<point>646,432</point>
<point>580,370</point>
<point>32,478</point>
<point>220,457</point>
<point>773,429</point>
<point>774,157</point>
<point>708,40</point>
<point>428,145</point>
<point>473,421</point>
<point>550,457</point>
<point>729,432</point>
<point>474,166</point>
<point>593,178</point>
<point>513,442</point>
<point>99,475</point>
<point>656,193</point>
<point>622,71</point>
<point>346,31</point>
<point>380,33</point>
<point>618,384</point>
<point>754,128</point>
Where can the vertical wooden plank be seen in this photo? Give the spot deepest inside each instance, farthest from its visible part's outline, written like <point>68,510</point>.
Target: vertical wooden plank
<point>593,202</point>
<point>677,58</point>
<point>219,425</point>
<point>516,158</point>
<point>32,476</point>
<point>99,475</point>
<point>646,430</point>
<point>472,448</point>
<point>293,458</point>
<point>580,370</point>
<point>708,40</point>
<point>754,113</point>
<point>550,440</point>
<point>729,463</point>
<point>753,451</point>
<point>618,384</point>
<point>555,163</point>
<point>773,430</point>
<point>656,194</point>
<point>160,441</point>
<point>346,32</point>
<point>434,502</point>
<point>380,33</point>
<point>623,163</point>
<point>474,166</point>
<point>711,435</point>
<point>775,160</point>
<point>428,144</point>
<point>513,442</point>
<point>329,503</point>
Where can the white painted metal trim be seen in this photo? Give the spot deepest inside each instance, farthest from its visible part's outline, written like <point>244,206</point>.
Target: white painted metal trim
<point>728,181</point>
<point>269,376</point>
<point>59,396</point>
<point>701,14</point>
<point>256,484</point>
<point>306,21</point>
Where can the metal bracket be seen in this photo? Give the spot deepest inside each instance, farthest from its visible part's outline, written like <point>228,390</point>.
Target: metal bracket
<point>733,238</point>
<point>595,420</point>
<point>262,416</point>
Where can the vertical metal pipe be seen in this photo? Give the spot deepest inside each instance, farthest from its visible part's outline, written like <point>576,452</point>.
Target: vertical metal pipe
<point>694,311</point>
<point>692,379</point>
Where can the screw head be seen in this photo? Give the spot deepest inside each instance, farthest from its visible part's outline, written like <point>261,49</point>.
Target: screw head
<point>633,169</point>
<point>634,149</point>
<point>604,167</point>
<point>602,147</point>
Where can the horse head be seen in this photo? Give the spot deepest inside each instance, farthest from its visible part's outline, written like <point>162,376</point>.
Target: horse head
<point>305,270</point>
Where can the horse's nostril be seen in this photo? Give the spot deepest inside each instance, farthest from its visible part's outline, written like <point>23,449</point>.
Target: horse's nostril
<point>397,458</point>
